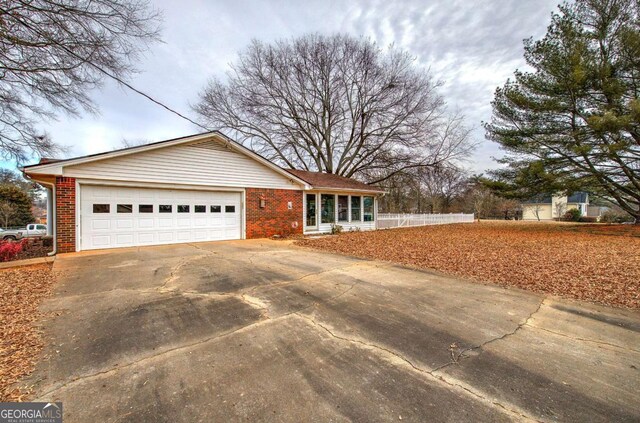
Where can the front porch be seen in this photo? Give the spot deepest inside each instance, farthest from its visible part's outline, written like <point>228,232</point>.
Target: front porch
<point>352,211</point>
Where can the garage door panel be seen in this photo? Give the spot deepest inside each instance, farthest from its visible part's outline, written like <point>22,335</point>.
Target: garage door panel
<point>124,223</point>
<point>165,223</point>
<point>138,220</point>
<point>145,223</point>
<point>101,240</point>
<point>99,224</point>
<point>146,238</point>
<point>124,239</point>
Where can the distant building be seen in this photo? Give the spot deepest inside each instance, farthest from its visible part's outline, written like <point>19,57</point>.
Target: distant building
<point>550,207</point>
<point>39,214</point>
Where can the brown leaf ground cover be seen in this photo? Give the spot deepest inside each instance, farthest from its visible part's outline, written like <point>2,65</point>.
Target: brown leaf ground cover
<point>21,292</point>
<point>597,263</point>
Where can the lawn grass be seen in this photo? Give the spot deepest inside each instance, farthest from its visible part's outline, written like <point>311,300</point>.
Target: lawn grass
<point>591,262</point>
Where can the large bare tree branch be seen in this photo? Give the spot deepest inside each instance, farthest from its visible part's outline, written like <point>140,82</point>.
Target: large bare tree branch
<point>53,52</point>
<point>335,104</point>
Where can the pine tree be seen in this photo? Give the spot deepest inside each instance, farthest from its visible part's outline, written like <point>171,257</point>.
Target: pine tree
<point>573,121</point>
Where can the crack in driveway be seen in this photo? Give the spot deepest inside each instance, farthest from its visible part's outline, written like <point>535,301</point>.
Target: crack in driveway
<point>393,357</point>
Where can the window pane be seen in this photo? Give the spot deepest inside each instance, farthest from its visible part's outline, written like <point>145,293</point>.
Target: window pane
<point>311,210</point>
<point>355,209</point>
<point>200,209</point>
<point>183,208</point>
<point>368,209</point>
<point>229,209</point>
<point>327,208</point>
<point>216,209</point>
<point>101,208</point>
<point>145,208</point>
<point>41,227</point>
<point>124,208</point>
<point>164,208</point>
<point>343,208</point>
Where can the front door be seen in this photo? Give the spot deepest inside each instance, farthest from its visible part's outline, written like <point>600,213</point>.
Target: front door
<point>311,221</point>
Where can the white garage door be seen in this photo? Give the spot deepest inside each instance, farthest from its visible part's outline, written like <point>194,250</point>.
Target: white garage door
<point>112,217</point>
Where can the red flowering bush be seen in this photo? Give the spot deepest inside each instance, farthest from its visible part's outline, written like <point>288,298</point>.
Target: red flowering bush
<point>9,250</point>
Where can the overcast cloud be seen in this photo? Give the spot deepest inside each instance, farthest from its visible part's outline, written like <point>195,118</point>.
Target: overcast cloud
<point>472,46</point>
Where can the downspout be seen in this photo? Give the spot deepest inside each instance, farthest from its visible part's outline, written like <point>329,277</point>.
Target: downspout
<point>52,218</point>
<point>54,223</point>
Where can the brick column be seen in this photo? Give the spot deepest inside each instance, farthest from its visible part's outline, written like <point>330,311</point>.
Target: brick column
<point>65,214</point>
<point>275,218</point>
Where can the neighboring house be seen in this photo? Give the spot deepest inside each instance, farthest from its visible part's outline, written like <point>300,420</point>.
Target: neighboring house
<point>597,211</point>
<point>39,214</point>
<point>549,207</point>
<point>203,187</point>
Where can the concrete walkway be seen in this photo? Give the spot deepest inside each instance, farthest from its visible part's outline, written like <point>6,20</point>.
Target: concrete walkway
<point>266,331</point>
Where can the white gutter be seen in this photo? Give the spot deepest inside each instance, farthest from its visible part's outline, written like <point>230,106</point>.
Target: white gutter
<point>53,219</point>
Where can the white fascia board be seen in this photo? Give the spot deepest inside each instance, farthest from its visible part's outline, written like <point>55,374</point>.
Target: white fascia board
<point>48,168</point>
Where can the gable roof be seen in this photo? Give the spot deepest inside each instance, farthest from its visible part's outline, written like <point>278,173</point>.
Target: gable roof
<point>577,197</point>
<point>54,166</point>
<point>320,180</point>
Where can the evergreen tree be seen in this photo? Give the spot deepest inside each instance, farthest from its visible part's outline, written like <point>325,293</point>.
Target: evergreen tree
<point>21,202</point>
<point>573,121</point>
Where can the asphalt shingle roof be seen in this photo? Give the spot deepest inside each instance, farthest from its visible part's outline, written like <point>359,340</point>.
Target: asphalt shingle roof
<point>321,180</point>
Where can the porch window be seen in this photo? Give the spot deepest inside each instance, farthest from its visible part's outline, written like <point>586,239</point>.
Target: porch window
<point>368,209</point>
<point>311,210</point>
<point>327,208</point>
<point>343,208</point>
<point>355,209</point>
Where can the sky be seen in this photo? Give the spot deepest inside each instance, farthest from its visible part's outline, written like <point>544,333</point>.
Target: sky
<point>472,46</point>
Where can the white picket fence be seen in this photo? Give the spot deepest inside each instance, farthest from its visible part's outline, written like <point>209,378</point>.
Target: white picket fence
<point>389,220</point>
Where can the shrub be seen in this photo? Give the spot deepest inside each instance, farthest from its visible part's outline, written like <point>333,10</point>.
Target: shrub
<point>589,219</point>
<point>336,229</point>
<point>9,250</point>
<point>573,215</point>
<point>613,216</point>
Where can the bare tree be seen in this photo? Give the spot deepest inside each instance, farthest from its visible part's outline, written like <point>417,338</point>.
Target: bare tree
<point>336,104</point>
<point>561,209</point>
<point>128,143</point>
<point>7,212</point>
<point>440,185</point>
<point>52,52</point>
<point>536,208</point>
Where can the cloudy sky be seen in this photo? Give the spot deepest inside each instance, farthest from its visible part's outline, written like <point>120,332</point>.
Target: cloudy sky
<point>472,46</point>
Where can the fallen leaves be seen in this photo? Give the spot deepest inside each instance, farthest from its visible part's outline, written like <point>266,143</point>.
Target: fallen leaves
<point>21,292</point>
<point>598,263</point>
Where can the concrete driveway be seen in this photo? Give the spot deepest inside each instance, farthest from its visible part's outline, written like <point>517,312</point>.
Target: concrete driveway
<point>266,331</point>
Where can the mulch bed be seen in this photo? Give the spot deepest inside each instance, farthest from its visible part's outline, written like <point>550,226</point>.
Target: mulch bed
<point>597,263</point>
<point>21,292</point>
<point>33,251</point>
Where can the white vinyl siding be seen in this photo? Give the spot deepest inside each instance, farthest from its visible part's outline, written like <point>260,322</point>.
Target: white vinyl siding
<point>207,163</point>
<point>543,210</point>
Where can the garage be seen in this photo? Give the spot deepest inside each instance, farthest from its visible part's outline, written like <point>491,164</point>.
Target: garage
<point>112,216</point>
<point>198,188</point>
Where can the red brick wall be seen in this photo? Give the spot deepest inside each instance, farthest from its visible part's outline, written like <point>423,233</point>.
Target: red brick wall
<point>66,214</point>
<point>275,218</point>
